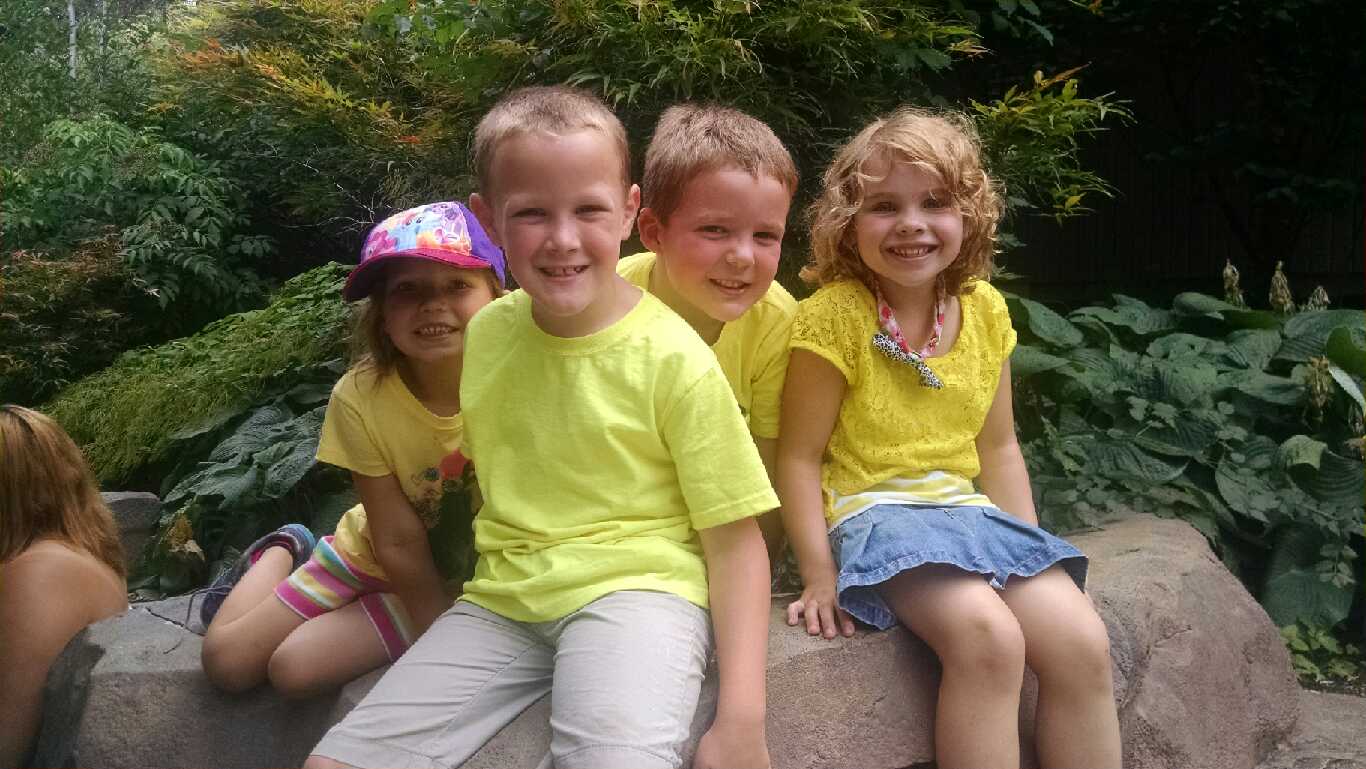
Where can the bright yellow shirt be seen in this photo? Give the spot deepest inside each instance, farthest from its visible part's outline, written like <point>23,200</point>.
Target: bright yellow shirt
<point>600,457</point>
<point>894,439</point>
<point>752,349</point>
<point>375,426</point>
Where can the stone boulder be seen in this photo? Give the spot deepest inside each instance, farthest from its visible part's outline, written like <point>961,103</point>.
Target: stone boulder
<point>1201,680</point>
<point>135,514</point>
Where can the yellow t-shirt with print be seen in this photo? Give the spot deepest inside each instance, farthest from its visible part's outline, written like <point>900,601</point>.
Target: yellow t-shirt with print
<point>752,349</point>
<point>600,457</point>
<point>375,426</point>
<point>895,439</point>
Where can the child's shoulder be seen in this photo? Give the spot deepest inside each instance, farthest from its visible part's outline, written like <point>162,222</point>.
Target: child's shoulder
<point>985,300</point>
<point>838,297</point>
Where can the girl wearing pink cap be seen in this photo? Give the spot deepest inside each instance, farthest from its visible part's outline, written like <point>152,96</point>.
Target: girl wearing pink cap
<point>309,616</point>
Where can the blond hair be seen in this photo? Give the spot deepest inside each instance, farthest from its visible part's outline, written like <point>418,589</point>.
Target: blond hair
<point>944,144</point>
<point>557,110</point>
<point>48,491</point>
<point>691,139</point>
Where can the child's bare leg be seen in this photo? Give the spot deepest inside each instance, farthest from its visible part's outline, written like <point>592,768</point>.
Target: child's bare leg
<point>1067,647</point>
<point>326,652</point>
<point>982,652</point>
<point>250,625</point>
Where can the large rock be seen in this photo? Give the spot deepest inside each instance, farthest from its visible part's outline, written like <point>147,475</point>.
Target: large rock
<point>1331,734</point>
<point>135,513</point>
<point>1201,680</point>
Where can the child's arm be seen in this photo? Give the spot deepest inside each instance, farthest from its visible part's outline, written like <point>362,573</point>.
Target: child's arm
<point>401,547</point>
<point>1004,477</point>
<point>738,586</point>
<point>811,405</point>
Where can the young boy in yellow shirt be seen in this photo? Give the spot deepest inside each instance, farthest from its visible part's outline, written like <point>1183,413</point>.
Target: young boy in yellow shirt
<point>619,484</point>
<point>716,192</point>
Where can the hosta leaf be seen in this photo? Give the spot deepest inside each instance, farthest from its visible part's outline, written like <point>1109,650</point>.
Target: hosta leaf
<point>256,433</point>
<point>1278,390</point>
<point>1180,346</point>
<point>1193,303</point>
<point>1027,360</point>
<point>1252,348</point>
<point>1123,460</point>
<point>1347,348</point>
<point>1300,450</point>
<point>1050,327</point>
<point>1294,590</point>
<point>1348,385</point>
<point>1132,314</point>
<point>1307,334</point>
<point>1182,382</point>
<point>1340,480</point>
<point>1189,436</point>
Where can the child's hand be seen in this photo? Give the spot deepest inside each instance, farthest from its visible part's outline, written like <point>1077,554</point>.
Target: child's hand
<point>732,746</point>
<point>820,606</point>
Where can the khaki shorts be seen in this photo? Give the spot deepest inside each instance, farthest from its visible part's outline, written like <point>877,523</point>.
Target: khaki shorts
<point>624,673</point>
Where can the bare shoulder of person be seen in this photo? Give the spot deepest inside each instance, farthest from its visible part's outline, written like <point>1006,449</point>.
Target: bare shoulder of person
<point>65,583</point>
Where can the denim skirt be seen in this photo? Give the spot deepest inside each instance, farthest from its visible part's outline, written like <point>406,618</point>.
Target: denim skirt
<point>885,540</point>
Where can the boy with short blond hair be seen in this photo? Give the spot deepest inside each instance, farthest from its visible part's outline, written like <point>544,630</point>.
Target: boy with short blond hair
<point>619,488</point>
<point>717,187</point>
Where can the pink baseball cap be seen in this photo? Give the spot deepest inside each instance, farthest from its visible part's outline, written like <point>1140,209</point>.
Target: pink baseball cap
<point>446,232</point>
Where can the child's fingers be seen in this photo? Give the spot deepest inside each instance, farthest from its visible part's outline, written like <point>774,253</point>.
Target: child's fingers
<point>813,616</point>
<point>794,610</point>
<point>846,623</point>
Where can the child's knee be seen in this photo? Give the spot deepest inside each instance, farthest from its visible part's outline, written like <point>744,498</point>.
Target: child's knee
<point>226,668</point>
<point>291,674</point>
<point>988,645</point>
<point>1080,655</point>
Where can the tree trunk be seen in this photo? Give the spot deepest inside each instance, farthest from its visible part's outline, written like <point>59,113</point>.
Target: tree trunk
<point>71,38</point>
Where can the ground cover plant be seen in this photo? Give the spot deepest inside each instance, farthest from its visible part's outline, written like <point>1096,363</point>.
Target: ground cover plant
<point>1245,423</point>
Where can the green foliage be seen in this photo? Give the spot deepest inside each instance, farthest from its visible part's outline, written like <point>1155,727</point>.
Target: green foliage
<point>178,221</point>
<point>1203,412</point>
<point>814,71</point>
<point>63,318</point>
<point>129,417</point>
<point>1317,656</point>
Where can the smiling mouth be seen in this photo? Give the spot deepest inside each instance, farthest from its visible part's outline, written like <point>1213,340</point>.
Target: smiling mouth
<point>435,330</point>
<point>563,272</point>
<point>912,252</point>
<point>730,285</point>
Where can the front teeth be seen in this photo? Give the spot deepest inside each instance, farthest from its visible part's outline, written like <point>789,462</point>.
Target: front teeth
<point>563,272</point>
<point>910,253</point>
<point>731,284</point>
<point>434,330</point>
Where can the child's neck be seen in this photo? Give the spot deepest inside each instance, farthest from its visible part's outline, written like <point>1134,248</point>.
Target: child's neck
<point>436,385</point>
<point>914,307</point>
<point>706,326</point>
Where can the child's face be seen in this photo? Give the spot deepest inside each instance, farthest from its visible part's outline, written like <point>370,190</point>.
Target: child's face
<point>426,306</point>
<point>558,208</point>
<point>719,249</point>
<point>908,228</point>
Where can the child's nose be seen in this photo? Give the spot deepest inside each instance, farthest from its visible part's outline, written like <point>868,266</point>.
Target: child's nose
<point>564,235</point>
<point>741,254</point>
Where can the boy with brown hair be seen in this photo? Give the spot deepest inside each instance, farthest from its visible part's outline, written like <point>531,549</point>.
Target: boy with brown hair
<point>717,187</point>
<point>619,486</point>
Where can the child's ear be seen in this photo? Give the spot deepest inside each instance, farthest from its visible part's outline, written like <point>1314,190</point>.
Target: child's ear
<point>484,213</point>
<point>648,225</point>
<point>632,207</point>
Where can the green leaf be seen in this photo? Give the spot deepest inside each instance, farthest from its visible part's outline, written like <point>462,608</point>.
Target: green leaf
<point>1026,361</point>
<point>1252,348</point>
<point>1307,334</point>
<point>1340,481</point>
<point>1278,390</point>
<point>1188,436</point>
<point>1294,591</point>
<point>1122,460</point>
<point>1300,450</point>
<point>1347,348</point>
<point>1048,326</point>
<point>1177,346</point>
<point>1348,385</point>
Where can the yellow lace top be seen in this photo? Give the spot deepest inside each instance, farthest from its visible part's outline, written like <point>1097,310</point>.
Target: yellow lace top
<point>889,425</point>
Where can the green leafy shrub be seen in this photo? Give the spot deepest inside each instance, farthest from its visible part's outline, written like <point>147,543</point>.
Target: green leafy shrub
<point>63,318</point>
<point>1317,656</point>
<point>1245,423</point>
<point>179,222</point>
<point>131,417</point>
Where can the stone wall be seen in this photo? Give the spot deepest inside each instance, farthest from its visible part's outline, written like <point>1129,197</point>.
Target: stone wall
<point>1201,680</point>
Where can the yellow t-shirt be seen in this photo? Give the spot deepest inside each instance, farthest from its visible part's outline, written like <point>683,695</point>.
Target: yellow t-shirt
<point>752,349</point>
<point>599,459</point>
<point>375,426</point>
<point>894,439</point>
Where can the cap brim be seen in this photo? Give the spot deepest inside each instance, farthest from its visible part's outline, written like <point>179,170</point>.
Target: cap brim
<point>361,281</point>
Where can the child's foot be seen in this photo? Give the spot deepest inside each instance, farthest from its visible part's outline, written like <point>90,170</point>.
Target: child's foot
<point>294,537</point>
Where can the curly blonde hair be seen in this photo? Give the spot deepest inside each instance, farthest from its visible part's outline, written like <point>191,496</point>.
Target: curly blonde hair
<point>48,491</point>
<point>945,144</point>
